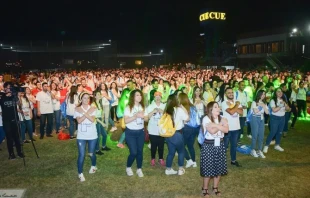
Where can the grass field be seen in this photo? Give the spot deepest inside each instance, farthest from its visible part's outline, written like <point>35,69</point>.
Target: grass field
<point>284,174</point>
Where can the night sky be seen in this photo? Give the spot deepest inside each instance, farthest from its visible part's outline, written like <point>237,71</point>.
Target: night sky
<point>147,25</point>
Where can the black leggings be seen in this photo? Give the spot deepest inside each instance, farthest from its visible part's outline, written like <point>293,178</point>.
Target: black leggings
<point>113,113</point>
<point>157,142</point>
<point>295,113</point>
<point>302,107</point>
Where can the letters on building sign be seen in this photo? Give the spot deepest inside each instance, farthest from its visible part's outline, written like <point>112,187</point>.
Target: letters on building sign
<point>212,16</point>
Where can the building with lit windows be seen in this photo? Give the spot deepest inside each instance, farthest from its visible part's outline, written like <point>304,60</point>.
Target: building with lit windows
<point>277,48</point>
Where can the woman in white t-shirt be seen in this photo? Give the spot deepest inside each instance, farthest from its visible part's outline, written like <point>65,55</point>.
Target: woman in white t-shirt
<point>277,119</point>
<point>154,112</point>
<point>258,108</point>
<point>87,133</point>
<point>56,104</point>
<point>116,95</point>
<point>213,152</point>
<point>175,143</point>
<point>134,131</point>
<point>25,116</point>
<point>72,101</point>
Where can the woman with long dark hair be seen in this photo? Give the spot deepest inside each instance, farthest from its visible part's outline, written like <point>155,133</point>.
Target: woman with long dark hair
<point>87,133</point>
<point>99,124</point>
<point>25,116</point>
<point>277,119</point>
<point>72,101</point>
<point>134,131</point>
<point>258,107</point>
<point>213,157</point>
<point>190,129</point>
<point>116,95</point>
<point>56,104</point>
<point>175,143</point>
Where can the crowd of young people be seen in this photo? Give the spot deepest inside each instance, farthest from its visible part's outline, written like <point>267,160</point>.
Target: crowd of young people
<point>214,102</point>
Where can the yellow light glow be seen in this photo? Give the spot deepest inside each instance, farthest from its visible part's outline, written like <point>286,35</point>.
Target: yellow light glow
<point>212,16</point>
<point>138,62</point>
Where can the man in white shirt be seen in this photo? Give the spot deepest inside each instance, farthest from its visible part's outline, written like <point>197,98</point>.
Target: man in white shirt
<point>244,99</point>
<point>45,110</point>
<point>231,111</point>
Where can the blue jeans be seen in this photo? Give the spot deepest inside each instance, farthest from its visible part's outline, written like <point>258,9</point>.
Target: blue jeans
<point>258,130</point>
<point>63,115</point>
<point>101,131</point>
<point>71,125</point>
<point>91,151</point>
<point>189,135</point>
<point>232,137</point>
<point>135,142</point>
<point>276,129</point>
<point>26,124</point>
<point>57,115</point>
<point>2,134</point>
<point>43,118</point>
<point>175,143</point>
<point>242,124</point>
<point>287,118</point>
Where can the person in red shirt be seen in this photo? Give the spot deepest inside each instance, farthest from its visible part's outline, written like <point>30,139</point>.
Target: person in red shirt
<point>63,94</point>
<point>34,92</point>
<point>85,87</point>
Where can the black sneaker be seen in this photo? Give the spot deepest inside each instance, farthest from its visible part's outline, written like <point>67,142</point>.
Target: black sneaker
<point>99,152</point>
<point>105,148</point>
<point>26,141</point>
<point>72,137</point>
<point>235,163</point>
<point>12,157</point>
<point>49,135</point>
<point>21,155</point>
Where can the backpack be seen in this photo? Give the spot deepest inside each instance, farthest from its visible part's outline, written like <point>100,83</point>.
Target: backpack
<point>112,98</point>
<point>165,124</point>
<point>194,118</point>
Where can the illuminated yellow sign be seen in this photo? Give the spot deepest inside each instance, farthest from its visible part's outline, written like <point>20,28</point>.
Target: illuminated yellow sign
<point>212,16</point>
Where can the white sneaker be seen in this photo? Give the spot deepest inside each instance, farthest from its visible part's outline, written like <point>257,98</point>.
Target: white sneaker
<point>265,150</point>
<point>170,172</point>
<point>93,169</point>
<point>249,136</point>
<point>273,142</point>
<point>129,171</point>
<point>253,153</point>
<point>189,163</point>
<point>278,148</point>
<point>81,177</point>
<point>140,173</point>
<point>194,165</point>
<point>261,154</point>
<point>241,136</point>
<point>181,171</point>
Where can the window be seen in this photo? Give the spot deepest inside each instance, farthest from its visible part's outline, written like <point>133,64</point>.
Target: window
<point>244,49</point>
<point>258,48</point>
<point>274,47</point>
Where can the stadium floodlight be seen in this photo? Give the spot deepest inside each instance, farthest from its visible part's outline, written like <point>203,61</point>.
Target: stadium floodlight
<point>161,51</point>
<point>295,30</point>
<point>11,47</point>
<point>1,44</point>
<point>150,53</point>
<point>110,40</point>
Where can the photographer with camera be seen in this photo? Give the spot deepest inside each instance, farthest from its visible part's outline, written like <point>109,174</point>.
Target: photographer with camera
<point>10,121</point>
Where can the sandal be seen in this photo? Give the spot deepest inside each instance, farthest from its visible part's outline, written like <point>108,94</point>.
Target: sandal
<point>205,192</point>
<point>217,192</point>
